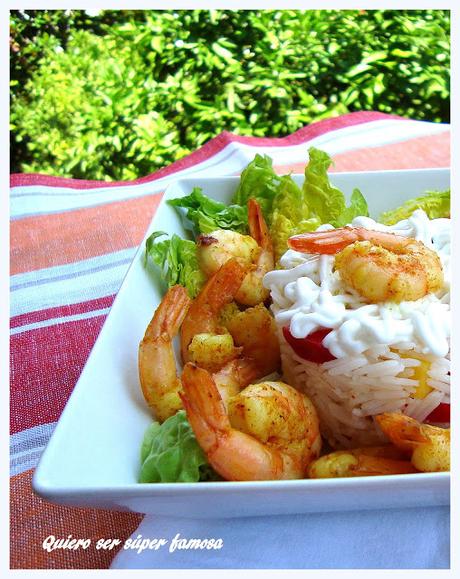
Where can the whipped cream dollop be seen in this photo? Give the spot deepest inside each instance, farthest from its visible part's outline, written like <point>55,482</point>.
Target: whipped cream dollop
<point>308,294</point>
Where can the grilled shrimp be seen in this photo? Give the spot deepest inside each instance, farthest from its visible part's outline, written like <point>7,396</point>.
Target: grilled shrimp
<point>367,461</point>
<point>158,375</point>
<point>380,266</point>
<point>157,365</point>
<point>254,252</point>
<point>203,339</point>
<point>428,446</point>
<point>254,330</point>
<point>270,430</point>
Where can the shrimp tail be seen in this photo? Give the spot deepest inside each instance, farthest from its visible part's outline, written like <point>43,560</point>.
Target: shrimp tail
<point>258,228</point>
<point>204,406</point>
<point>323,242</point>
<point>403,431</point>
<point>170,314</point>
<point>333,241</point>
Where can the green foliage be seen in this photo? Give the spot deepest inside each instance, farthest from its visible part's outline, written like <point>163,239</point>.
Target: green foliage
<point>121,94</point>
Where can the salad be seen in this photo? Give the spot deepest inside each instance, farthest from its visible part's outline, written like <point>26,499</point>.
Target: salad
<point>243,296</point>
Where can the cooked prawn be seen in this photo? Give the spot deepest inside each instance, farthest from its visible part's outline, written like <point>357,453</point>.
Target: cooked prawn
<point>159,380</point>
<point>428,446</point>
<point>254,329</point>
<point>234,376</point>
<point>367,461</point>
<point>381,266</point>
<point>254,252</point>
<point>270,431</point>
<point>202,318</point>
<point>157,365</point>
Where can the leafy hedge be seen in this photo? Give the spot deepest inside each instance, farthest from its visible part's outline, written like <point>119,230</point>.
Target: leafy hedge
<point>118,95</point>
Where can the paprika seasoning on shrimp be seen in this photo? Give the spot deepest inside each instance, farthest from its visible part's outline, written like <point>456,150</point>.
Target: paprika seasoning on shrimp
<point>311,347</point>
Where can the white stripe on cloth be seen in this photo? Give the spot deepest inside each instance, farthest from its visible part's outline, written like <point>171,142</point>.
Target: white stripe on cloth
<point>71,283</point>
<point>59,320</point>
<point>32,200</point>
<point>27,446</point>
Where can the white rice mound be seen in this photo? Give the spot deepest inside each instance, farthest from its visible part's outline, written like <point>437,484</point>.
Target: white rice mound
<point>349,391</point>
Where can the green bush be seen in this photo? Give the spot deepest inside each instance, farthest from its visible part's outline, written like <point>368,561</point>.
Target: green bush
<point>122,94</point>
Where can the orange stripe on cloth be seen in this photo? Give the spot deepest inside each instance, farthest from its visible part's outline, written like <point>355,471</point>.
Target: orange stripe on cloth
<point>420,153</point>
<point>32,520</point>
<point>60,238</point>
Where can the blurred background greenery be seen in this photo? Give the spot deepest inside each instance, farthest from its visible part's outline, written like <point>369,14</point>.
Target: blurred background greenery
<point>117,94</point>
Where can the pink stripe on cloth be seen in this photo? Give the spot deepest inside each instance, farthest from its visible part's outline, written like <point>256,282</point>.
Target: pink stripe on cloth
<point>209,149</point>
<point>45,364</point>
<point>418,153</point>
<point>61,311</point>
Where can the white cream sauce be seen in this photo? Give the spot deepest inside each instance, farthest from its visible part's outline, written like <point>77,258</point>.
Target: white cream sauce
<point>308,294</point>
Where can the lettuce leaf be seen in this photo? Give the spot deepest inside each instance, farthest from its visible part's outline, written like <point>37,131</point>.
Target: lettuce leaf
<point>358,206</point>
<point>178,261</point>
<point>170,453</point>
<point>260,182</point>
<point>323,200</point>
<point>290,215</point>
<point>207,215</point>
<point>435,203</point>
<point>298,210</point>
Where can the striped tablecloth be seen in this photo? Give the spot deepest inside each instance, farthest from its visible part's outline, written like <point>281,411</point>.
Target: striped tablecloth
<point>71,244</point>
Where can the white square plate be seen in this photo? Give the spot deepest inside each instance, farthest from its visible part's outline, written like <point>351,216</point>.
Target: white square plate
<point>92,458</point>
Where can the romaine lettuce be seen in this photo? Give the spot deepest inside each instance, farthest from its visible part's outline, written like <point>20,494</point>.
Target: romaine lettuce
<point>170,453</point>
<point>298,210</point>
<point>260,182</point>
<point>178,261</point>
<point>290,215</point>
<point>435,204</point>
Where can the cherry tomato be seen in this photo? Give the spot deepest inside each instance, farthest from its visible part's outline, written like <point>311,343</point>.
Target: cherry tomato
<point>310,348</point>
<point>440,415</point>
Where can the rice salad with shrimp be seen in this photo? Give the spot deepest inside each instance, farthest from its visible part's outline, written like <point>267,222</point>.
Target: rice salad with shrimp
<point>384,357</point>
<point>300,320</point>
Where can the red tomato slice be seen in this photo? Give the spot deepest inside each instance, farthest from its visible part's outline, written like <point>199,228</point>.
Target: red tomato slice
<point>440,415</point>
<point>310,348</point>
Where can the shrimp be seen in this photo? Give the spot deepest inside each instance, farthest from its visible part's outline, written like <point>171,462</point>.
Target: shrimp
<point>157,365</point>
<point>159,380</point>
<point>380,266</point>
<point>270,430</point>
<point>254,252</point>
<point>202,320</point>
<point>368,461</point>
<point>254,330</point>
<point>234,376</point>
<point>428,446</point>
<point>252,290</point>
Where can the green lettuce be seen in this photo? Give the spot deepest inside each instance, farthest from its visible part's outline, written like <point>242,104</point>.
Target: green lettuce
<point>207,215</point>
<point>171,453</point>
<point>358,206</point>
<point>325,201</point>
<point>298,210</point>
<point>260,182</point>
<point>290,215</point>
<point>177,259</point>
<point>321,199</point>
<point>435,203</point>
